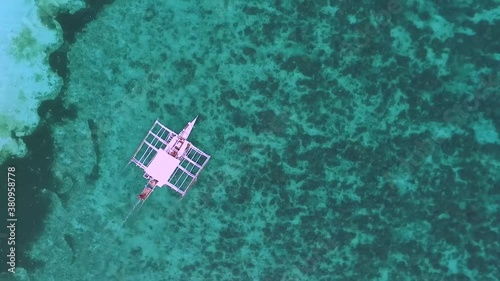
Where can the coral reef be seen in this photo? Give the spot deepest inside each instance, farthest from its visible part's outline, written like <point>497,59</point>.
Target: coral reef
<point>349,141</point>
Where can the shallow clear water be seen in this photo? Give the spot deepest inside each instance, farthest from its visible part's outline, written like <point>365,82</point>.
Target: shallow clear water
<point>348,142</point>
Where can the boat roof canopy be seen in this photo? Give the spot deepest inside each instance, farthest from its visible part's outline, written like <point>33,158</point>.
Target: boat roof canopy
<point>153,156</point>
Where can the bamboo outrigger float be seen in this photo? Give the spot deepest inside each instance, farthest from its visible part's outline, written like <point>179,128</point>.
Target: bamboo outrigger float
<point>169,159</point>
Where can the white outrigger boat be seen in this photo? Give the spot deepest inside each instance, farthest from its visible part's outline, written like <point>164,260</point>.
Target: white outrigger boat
<point>169,159</point>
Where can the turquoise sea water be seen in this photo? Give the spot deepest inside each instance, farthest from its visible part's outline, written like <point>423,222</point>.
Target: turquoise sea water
<point>349,141</point>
